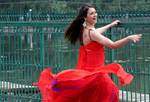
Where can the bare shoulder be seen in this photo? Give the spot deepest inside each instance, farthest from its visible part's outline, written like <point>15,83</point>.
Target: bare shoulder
<point>95,34</point>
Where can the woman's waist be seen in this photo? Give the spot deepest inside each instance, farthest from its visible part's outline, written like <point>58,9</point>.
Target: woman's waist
<point>91,67</point>
<point>94,61</point>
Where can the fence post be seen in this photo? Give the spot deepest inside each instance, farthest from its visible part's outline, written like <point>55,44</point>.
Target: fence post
<point>42,53</point>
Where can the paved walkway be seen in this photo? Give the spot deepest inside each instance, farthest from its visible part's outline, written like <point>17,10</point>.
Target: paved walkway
<point>124,96</point>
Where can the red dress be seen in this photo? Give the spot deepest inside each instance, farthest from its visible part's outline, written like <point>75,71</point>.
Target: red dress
<point>88,82</point>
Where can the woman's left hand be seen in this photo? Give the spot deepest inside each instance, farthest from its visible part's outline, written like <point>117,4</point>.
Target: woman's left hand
<point>115,23</point>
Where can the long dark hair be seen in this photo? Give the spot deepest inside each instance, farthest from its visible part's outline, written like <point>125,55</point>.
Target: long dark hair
<point>75,30</point>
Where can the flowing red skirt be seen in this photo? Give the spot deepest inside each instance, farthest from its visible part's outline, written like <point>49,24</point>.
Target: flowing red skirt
<point>74,85</point>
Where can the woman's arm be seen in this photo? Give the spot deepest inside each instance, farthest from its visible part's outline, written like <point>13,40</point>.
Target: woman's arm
<point>114,44</point>
<point>103,29</point>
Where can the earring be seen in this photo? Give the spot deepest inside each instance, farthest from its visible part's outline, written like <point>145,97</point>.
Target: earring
<point>84,24</point>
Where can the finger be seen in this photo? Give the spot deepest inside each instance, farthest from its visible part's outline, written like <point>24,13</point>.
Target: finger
<point>139,37</point>
<point>138,40</point>
<point>140,34</point>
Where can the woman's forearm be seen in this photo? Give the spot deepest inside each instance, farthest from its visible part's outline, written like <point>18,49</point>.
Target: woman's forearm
<point>104,28</point>
<point>121,42</point>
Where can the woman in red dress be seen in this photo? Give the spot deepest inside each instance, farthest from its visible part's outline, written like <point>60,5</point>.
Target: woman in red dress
<point>89,81</point>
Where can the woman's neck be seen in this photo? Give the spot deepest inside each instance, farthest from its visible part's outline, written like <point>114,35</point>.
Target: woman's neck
<point>89,26</point>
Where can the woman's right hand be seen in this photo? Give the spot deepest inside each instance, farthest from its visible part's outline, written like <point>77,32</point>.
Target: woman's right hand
<point>135,38</point>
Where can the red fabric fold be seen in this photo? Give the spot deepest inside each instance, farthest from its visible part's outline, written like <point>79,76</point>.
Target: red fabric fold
<point>89,82</point>
<point>72,80</point>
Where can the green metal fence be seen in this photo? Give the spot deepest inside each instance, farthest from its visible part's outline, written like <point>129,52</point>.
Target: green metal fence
<point>29,45</point>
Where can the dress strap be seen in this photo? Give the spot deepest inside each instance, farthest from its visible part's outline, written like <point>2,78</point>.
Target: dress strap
<point>90,34</point>
<point>81,37</point>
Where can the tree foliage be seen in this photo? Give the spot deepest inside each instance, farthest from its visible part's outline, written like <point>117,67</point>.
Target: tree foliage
<point>71,5</point>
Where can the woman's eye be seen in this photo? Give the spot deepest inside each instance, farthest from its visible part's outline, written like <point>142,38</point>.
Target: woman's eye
<point>91,13</point>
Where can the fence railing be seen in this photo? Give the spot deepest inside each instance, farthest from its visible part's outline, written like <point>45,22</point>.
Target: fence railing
<point>26,47</point>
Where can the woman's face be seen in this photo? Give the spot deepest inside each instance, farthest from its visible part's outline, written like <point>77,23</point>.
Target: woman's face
<point>91,17</point>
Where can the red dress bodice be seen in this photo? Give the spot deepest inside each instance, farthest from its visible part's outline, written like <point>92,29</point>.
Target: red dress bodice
<point>91,56</point>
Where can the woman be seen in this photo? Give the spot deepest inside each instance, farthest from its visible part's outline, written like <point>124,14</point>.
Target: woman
<point>90,81</point>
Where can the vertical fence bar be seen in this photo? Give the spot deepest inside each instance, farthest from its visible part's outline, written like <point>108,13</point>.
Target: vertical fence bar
<point>42,54</point>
